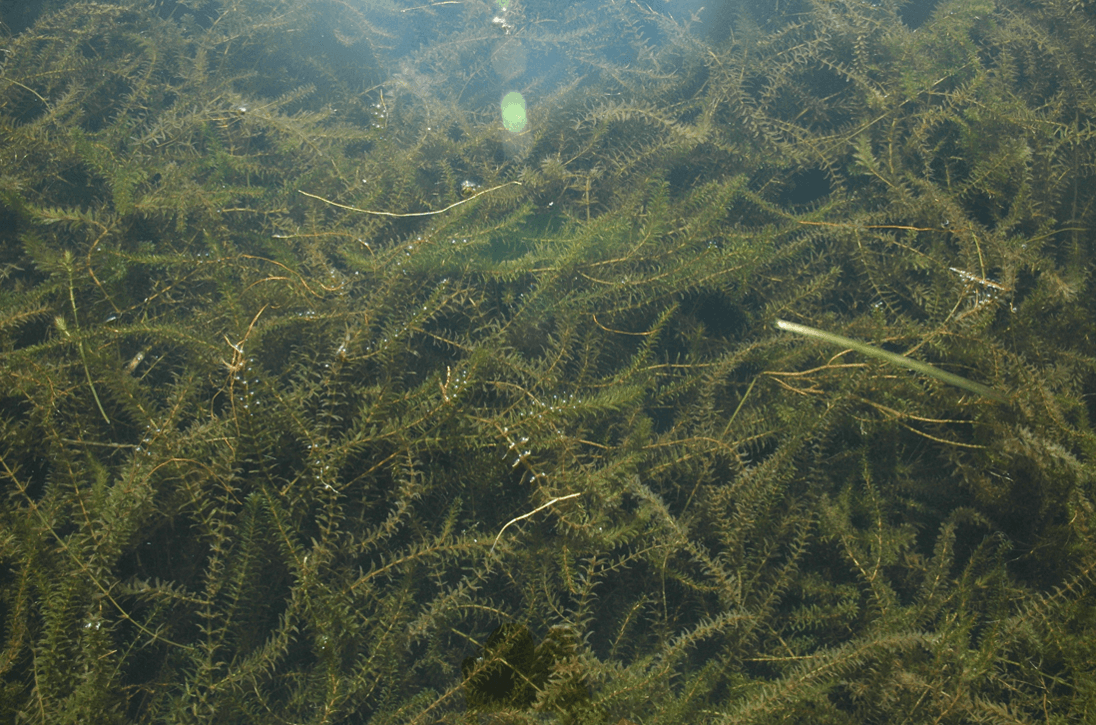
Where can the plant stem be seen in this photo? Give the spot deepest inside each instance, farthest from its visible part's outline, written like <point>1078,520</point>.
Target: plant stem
<point>895,359</point>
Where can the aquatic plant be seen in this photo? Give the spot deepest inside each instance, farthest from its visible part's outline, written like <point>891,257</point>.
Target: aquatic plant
<point>893,358</point>
<point>271,459</point>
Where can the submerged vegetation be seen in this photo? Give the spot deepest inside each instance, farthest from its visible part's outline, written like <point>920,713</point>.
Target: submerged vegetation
<point>267,459</point>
